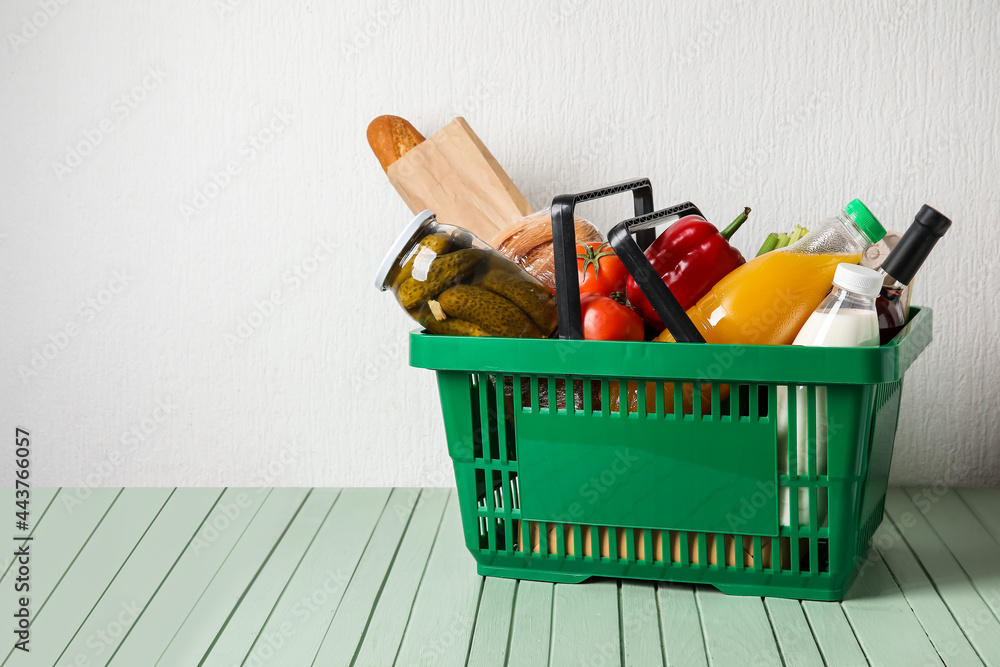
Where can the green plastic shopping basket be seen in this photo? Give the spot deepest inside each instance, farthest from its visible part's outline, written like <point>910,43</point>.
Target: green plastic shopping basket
<point>559,479</point>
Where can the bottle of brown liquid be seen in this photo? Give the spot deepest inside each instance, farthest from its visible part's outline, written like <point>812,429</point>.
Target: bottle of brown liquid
<point>900,266</point>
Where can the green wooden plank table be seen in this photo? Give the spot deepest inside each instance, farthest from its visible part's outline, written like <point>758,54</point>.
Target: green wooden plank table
<point>226,577</point>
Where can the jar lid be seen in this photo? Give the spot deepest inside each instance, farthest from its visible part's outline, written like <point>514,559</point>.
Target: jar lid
<point>402,242</point>
<point>859,279</point>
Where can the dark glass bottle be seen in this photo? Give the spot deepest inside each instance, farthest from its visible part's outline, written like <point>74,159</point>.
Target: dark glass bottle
<point>900,266</point>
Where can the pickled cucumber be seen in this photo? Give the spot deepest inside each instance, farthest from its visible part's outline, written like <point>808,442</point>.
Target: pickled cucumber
<point>452,326</point>
<point>533,298</point>
<point>488,310</point>
<point>436,243</point>
<point>439,243</point>
<point>444,271</point>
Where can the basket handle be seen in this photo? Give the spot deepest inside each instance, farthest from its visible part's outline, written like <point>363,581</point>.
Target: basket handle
<point>564,246</point>
<point>630,252</point>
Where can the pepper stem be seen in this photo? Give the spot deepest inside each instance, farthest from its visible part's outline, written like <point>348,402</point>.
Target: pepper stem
<point>728,232</point>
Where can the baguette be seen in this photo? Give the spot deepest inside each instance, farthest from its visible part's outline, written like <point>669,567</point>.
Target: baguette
<point>391,137</point>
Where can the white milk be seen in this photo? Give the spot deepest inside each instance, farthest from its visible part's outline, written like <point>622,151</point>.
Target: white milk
<point>837,327</point>
<point>847,327</point>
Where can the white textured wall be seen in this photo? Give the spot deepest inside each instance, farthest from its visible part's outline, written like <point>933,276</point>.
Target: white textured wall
<point>231,158</point>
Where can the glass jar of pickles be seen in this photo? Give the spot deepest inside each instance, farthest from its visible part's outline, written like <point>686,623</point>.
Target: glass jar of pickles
<point>454,284</point>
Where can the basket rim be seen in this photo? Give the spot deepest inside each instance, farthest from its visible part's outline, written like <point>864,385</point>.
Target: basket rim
<point>785,364</point>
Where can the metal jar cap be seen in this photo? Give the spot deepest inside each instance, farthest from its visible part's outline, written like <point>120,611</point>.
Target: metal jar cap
<point>405,239</point>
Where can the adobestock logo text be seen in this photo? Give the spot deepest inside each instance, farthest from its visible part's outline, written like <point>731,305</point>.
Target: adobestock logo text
<point>121,109</point>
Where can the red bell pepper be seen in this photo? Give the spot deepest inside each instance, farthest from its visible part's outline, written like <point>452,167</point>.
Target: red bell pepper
<point>691,255</point>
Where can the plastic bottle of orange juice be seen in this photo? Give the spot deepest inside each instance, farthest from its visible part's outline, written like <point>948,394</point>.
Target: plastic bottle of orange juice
<point>767,300</point>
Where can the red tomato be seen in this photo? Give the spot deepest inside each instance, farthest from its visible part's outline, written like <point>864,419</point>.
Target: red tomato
<point>599,269</point>
<point>606,319</point>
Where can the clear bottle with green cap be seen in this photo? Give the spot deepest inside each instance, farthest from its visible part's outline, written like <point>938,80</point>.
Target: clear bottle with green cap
<point>767,300</point>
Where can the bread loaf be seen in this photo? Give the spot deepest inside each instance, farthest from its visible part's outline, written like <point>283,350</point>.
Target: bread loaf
<point>391,137</point>
<point>528,243</point>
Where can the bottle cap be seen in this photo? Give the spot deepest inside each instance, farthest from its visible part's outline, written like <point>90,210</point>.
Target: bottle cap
<point>934,221</point>
<point>859,279</point>
<point>406,238</point>
<point>865,221</point>
<point>917,242</point>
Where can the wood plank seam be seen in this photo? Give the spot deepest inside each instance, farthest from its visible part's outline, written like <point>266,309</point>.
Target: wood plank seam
<point>976,515</point>
<point>908,578</point>
<point>796,642</point>
<point>291,576</point>
<point>701,625</point>
<point>812,631</point>
<point>441,619</point>
<point>774,631</point>
<point>659,622</point>
<point>253,579</point>
<point>861,644</point>
<point>115,575</point>
<point>333,566</point>
<point>984,617</point>
<point>250,618</point>
<point>361,559</point>
<point>475,616</point>
<point>70,566</point>
<point>84,526</point>
<point>992,526</point>
<point>420,582</point>
<point>679,610</point>
<point>355,570</point>
<point>963,626</point>
<point>865,646</point>
<point>510,628</point>
<point>934,586</point>
<point>165,577</point>
<point>740,616</point>
<point>639,611</point>
<point>621,622</point>
<point>833,648</point>
<point>392,615</point>
<point>209,583</point>
<point>992,605</point>
<point>552,619</point>
<point>385,578</point>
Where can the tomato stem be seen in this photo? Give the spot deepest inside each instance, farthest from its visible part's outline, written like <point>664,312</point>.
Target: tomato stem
<point>592,256</point>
